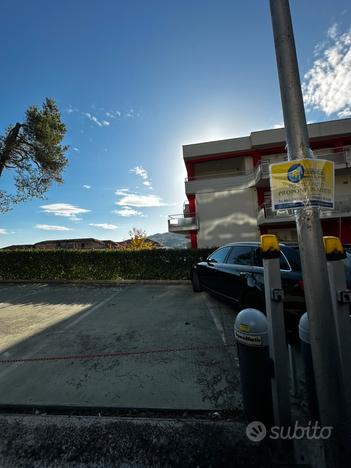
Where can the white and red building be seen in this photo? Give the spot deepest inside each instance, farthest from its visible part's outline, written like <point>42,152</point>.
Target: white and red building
<point>228,191</point>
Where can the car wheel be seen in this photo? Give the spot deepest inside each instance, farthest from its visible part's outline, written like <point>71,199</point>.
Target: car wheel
<point>195,281</point>
<point>254,300</point>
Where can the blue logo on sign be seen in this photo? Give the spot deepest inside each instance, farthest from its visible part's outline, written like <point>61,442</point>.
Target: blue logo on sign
<point>296,173</point>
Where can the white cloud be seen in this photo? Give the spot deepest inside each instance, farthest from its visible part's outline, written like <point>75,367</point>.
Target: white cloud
<point>87,187</point>
<point>48,227</point>
<point>122,191</point>
<point>4,231</point>
<point>141,172</point>
<point>327,85</point>
<point>94,119</point>
<point>140,201</point>
<point>278,125</point>
<point>71,109</point>
<point>333,31</point>
<point>113,114</point>
<point>127,212</point>
<point>76,149</point>
<point>345,113</point>
<point>64,209</point>
<point>104,226</point>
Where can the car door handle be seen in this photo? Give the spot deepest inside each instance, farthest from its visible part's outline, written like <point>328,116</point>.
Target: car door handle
<point>245,274</point>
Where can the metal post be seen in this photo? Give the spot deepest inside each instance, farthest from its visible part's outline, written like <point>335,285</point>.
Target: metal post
<point>278,350</point>
<point>293,373</point>
<point>341,297</point>
<point>309,231</point>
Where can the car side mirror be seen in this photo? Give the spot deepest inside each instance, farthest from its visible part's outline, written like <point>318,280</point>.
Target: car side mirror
<point>211,260</point>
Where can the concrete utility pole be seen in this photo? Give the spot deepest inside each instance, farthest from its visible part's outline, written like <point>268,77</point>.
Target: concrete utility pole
<point>314,267</point>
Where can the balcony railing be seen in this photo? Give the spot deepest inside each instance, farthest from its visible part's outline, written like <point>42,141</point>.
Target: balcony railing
<point>180,223</point>
<point>216,175</point>
<point>342,207</point>
<point>341,156</point>
<point>214,182</point>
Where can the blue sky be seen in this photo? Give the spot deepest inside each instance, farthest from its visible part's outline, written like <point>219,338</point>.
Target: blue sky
<point>135,80</point>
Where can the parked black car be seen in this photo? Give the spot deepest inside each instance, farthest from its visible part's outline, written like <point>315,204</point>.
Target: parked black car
<point>235,272</point>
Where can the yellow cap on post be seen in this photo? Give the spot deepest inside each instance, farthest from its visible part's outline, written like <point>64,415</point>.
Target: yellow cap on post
<point>270,246</point>
<point>333,245</point>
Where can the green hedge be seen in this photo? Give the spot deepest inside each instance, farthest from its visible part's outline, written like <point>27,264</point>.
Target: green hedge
<point>98,264</point>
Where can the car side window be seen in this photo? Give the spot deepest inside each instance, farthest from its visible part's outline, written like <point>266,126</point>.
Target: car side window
<point>219,255</point>
<point>241,255</point>
<point>258,260</point>
<point>283,263</point>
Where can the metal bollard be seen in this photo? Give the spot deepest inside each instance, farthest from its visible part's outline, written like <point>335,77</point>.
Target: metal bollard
<point>304,334</point>
<point>341,299</point>
<point>278,350</point>
<point>251,333</point>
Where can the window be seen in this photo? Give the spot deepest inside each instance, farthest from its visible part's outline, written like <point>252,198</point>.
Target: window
<point>293,256</point>
<point>283,263</point>
<point>219,255</point>
<point>241,255</point>
<point>258,260</point>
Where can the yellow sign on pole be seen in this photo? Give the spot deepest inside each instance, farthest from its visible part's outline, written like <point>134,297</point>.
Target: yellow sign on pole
<point>301,183</point>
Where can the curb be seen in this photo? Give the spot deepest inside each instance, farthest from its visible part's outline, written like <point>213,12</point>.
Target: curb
<point>42,441</point>
<point>98,282</point>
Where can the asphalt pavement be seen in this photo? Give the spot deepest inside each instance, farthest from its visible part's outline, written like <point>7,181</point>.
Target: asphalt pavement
<point>134,346</point>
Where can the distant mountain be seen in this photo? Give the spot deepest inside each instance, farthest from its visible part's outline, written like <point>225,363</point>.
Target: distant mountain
<point>170,240</point>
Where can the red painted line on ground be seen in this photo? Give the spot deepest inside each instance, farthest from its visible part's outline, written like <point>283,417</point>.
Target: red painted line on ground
<point>107,355</point>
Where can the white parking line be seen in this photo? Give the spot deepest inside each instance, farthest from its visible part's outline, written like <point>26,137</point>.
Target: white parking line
<point>36,351</point>
<point>23,296</point>
<point>91,310</point>
<point>213,309</point>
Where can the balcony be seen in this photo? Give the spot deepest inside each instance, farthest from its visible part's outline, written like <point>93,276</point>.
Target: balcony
<point>342,208</point>
<point>214,182</point>
<point>182,224</point>
<point>262,173</point>
<point>267,216</point>
<point>341,157</point>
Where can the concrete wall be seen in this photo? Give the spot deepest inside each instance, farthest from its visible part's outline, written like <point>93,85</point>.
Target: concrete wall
<point>343,184</point>
<point>227,216</point>
<point>274,158</point>
<point>266,138</point>
<point>220,167</point>
<point>284,234</point>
